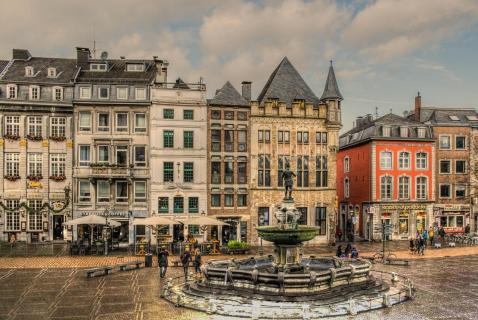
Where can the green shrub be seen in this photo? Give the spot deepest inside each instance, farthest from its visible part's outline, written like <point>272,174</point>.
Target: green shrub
<point>237,245</point>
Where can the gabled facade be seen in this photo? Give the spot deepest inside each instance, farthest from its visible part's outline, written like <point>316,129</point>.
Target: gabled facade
<point>36,148</point>
<point>385,175</point>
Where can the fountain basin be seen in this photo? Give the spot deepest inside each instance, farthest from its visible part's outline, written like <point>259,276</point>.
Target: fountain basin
<point>287,236</point>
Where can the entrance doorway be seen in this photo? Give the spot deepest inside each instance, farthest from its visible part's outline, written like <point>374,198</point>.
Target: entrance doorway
<point>178,233</point>
<point>229,232</point>
<point>58,227</point>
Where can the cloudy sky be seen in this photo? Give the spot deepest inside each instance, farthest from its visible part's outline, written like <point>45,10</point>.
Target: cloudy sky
<point>384,51</point>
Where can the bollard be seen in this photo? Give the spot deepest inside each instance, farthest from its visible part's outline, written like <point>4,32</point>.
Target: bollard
<point>386,300</point>
<point>211,309</point>
<point>351,309</point>
<point>394,278</point>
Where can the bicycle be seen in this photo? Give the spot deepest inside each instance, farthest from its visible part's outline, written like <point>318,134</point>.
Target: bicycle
<point>384,256</point>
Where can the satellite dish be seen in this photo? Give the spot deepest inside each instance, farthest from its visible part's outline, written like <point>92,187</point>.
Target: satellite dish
<point>104,55</point>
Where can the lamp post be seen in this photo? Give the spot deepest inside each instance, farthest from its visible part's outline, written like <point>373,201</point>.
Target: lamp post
<point>261,222</point>
<point>106,214</point>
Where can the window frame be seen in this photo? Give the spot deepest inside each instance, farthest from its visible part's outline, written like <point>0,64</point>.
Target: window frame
<point>141,198</point>
<point>57,164</point>
<point>169,171</point>
<point>99,197</point>
<point>101,128</point>
<point>168,139</point>
<point>140,129</point>
<point>384,186</point>
<point>86,198</point>
<point>419,185</point>
<point>449,166</point>
<point>384,161</point>
<point>35,125</point>
<point>321,220</point>
<point>84,162</point>
<point>12,125</point>
<point>59,127</point>
<point>56,90</point>
<point>81,127</point>
<point>122,199</point>
<point>450,191</point>
<point>188,172</point>
<point>465,169</point>
<point>404,160</point>
<point>188,139</point>
<point>419,159</point>
<point>123,89</point>
<point>161,208</point>
<point>35,164</point>
<point>34,92</point>
<point>190,113</point>
<point>12,91</point>
<point>404,183</point>
<point>440,147</point>
<point>123,128</point>
<point>12,164</point>
<point>140,163</point>
<point>85,92</point>
<point>138,96</point>
<point>100,96</point>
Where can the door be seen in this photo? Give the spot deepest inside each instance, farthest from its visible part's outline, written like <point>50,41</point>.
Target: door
<point>178,233</point>
<point>58,227</point>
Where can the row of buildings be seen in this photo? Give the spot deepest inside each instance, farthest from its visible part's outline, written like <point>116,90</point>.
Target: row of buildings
<point>113,137</point>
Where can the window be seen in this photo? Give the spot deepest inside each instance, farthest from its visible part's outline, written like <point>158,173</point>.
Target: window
<point>460,191</point>
<point>188,175</point>
<point>385,160</point>
<point>35,164</point>
<point>85,92</point>
<point>28,71</point>
<point>85,121</point>
<point>163,205</point>
<point>84,159</point>
<point>103,93</point>
<point>168,139</point>
<point>282,163</point>
<point>215,172</point>
<point>168,171</point>
<point>421,160</point>
<point>216,114</point>
<point>103,191</point>
<point>404,160</point>
<point>178,205</point>
<point>12,164</point>
<point>34,126</point>
<point>103,122</point>
<point>242,200</point>
<point>57,93</point>
<point>11,91</point>
<point>242,172</point>
<point>460,143</point>
<point>34,217</point>
<point>283,136</point>
<point>84,192</point>
<point>140,191</point>
<point>445,142</point>
<point>302,137</point>
<point>303,216</point>
<point>460,166</point>
<point>51,72</point>
<point>140,93</point>
<point>403,132</point>
<point>139,122</point>
<point>241,140</point>
<point>121,122</point>
<point>229,200</point>
<point>193,204</point>
<point>263,216</point>
<point>454,118</point>
<point>264,171</point>
<point>12,217</point>
<point>386,183</point>
<point>140,156</point>
<point>421,132</point>
<point>188,114</point>
<point>445,166</point>
<point>228,140</point>
<point>404,187</point>
<point>216,140</point>
<point>188,139</point>
<point>228,172</point>
<point>472,118</point>
<point>229,115</point>
<point>321,219</point>
<point>386,131</point>
<point>135,67</point>
<point>121,93</point>
<point>243,115</point>
<point>445,191</point>
<point>321,172</point>
<point>422,188</point>
<point>34,93</point>
<point>98,67</point>
<point>302,171</point>
<point>321,137</point>
<point>58,127</point>
<point>215,200</point>
<point>346,187</point>
<point>264,136</point>
<point>346,164</point>
<point>103,154</point>
<point>122,155</point>
<point>168,113</point>
<point>121,191</point>
<point>57,164</point>
<point>12,126</point>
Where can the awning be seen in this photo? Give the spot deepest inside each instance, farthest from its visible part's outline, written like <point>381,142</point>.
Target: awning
<point>93,220</point>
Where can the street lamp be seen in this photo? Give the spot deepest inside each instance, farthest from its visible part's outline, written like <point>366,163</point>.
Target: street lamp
<point>106,215</point>
<point>261,222</point>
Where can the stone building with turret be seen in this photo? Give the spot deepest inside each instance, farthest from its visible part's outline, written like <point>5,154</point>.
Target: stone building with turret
<point>291,126</point>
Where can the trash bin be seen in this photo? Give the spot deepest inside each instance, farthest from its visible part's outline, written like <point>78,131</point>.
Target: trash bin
<point>148,260</point>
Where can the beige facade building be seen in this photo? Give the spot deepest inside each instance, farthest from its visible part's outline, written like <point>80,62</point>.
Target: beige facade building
<point>291,126</point>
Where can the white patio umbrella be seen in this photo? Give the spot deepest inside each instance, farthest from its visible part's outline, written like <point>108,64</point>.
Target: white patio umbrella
<point>93,220</point>
<point>203,221</point>
<point>153,221</point>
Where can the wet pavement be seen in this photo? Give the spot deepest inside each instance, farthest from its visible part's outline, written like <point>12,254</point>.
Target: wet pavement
<point>447,289</point>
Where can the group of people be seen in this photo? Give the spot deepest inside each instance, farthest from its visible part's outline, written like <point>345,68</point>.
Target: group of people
<point>186,258</point>
<point>434,234</point>
<point>349,252</point>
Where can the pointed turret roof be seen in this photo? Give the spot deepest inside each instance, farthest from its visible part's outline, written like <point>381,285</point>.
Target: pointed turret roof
<point>228,96</point>
<point>331,90</point>
<point>286,84</point>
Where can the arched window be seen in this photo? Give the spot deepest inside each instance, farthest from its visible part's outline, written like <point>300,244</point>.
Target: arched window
<point>386,183</point>
<point>346,164</point>
<point>404,160</point>
<point>385,160</point>
<point>422,186</point>
<point>404,187</point>
<point>421,160</point>
<point>347,187</point>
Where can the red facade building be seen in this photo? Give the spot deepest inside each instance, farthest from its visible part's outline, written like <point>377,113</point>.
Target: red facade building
<point>385,174</point>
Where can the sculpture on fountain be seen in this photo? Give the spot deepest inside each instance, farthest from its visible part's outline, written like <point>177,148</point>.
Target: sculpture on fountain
<point>287,177</point>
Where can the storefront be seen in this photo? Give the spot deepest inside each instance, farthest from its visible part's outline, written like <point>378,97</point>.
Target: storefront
<point>452,217</point>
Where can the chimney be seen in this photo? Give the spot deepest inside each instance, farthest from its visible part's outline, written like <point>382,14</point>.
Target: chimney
<point>246,90</point>
<point>82,57</point>
<point>161,70</point>
<point>359,122</point>
<point>21,54</point>
<point>418,107</point>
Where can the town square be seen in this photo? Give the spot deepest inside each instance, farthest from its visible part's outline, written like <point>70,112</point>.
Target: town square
<point>289,159</point>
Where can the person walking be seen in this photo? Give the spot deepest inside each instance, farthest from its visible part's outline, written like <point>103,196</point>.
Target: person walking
<point>197,261</point>
<point>163,262</point>
<point>425,236</point>
<point>431,235</point>
<point>421,246</point>
<point>185,259</point>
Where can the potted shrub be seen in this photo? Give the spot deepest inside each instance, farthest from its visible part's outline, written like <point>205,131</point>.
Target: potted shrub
<point>236,247</point>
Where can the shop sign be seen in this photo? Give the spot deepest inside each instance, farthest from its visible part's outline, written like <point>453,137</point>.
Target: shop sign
<point>454,229</point>
<point>441,212</point>
<point>114,213</point>
<point>453,207</point>
<point>415,206</point>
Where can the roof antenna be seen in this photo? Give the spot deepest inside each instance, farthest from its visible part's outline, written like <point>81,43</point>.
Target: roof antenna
<point>376,112</point>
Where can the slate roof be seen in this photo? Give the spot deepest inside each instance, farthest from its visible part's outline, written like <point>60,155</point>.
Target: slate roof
<point>331,89</point>
<point>287,85</point>
<point>373,129</point>
<point>117,72</point>
<point>228,96</point>
<point>441,116</point>
<point>65,69</point>
<point>3,64</point>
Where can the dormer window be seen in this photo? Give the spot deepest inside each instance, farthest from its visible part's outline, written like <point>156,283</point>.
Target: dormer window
<point>57,93</point>
<point>404,132</point>
<point>11,91</point>
<point>135,67</point>
<point>28,71</point>
<point>103,93</point>
<point>98,67</point>
<point>34,93</point>
<point>421,132</point>
<point>386,131</point>
<point>51,72</point>
<point>454,118</point>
